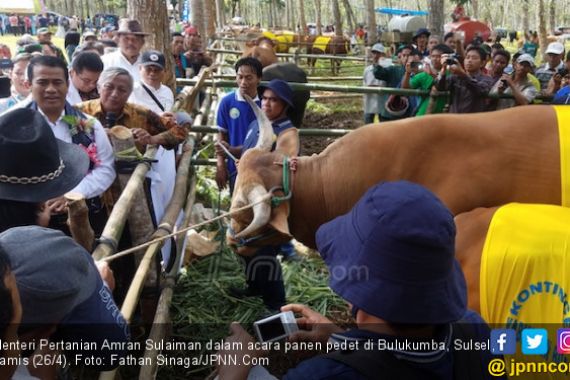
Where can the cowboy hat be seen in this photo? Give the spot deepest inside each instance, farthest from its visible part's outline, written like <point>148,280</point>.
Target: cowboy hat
<point>130,26</point>
<point>34,165</point>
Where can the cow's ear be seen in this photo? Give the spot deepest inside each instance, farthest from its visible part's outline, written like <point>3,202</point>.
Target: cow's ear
<point>279,220</point>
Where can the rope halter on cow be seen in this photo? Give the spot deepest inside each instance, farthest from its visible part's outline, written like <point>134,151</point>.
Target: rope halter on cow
<point>289,165</point>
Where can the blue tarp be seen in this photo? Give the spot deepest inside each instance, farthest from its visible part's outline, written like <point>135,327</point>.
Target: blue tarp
<point>400,12</point>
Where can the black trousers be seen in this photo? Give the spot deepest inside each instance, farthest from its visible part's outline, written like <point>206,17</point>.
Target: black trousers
<point>264,276</point>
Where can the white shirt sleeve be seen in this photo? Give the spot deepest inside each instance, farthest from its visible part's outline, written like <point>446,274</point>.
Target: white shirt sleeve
<point>103,175</point>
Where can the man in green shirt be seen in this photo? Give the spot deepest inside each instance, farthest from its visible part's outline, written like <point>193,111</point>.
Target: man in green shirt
<point>426,79</point>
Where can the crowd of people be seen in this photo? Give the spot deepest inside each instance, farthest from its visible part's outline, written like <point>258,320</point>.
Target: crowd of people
<point>474,75</point>
<point>69,109</point>
<point>111,81</point>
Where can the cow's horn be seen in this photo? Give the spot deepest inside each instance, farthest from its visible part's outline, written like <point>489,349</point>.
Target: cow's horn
<point>265,140</point>
<point>261,211</point>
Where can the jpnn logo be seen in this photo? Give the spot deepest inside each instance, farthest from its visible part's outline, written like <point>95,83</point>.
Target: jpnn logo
<point>534,341</point>
<point>503,342</point>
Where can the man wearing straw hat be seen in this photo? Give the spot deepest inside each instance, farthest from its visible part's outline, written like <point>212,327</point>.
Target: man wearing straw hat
<point>131,41</point>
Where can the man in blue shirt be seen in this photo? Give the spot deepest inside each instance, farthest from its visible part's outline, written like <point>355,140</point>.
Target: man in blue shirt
<point>234,117</point>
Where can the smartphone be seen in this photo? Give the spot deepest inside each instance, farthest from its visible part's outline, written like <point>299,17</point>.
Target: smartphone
<point>276,327</point>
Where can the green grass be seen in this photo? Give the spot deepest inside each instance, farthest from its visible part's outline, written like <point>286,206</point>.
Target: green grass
<point>10,40</point>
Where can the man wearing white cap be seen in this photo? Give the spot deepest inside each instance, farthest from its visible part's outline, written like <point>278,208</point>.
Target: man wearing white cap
<point>517,84</point>
<point>373,103</point>
<point>554,54</point>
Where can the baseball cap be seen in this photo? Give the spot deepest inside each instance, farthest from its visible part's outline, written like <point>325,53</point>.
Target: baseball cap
<point>154,58</point>
<point>54,274</point>
<point>378,48</point>
<point>526,58</point>
<point>555,48</point>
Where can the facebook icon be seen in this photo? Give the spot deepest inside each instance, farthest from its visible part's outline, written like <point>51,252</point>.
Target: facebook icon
<point>503,342</point>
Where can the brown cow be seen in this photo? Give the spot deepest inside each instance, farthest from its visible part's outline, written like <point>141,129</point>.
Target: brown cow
<point>469,161</point>
<point>332,45</point>
<point>262,49</point>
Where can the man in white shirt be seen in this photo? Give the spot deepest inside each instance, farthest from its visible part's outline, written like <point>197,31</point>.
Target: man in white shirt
<point>149,92</point>
<point>48,77</point>
<point>131,41</point>
<point>85,70</point>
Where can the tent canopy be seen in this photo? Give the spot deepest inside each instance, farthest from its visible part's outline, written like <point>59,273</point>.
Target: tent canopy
<point>400,12</point>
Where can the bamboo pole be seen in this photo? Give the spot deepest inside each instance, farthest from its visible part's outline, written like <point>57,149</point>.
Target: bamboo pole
<point>78,220</point>
<point>319,87</point>
<point>302,132</point>
<point>116,222</point>
<point>294,55</point>
<point>309,79</point>
<point>162,318</point>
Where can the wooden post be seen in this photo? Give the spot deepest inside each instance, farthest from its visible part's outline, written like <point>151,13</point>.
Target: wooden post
<point>139,216</point>
<point>78,221</point>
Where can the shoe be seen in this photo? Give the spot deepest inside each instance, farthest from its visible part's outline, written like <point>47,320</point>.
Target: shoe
<point>242,292</point>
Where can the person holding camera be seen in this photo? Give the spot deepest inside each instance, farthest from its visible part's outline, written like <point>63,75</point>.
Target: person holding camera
<point>516,84</point>
<point>427,78</point>
<point>547,73</point>
<point>468,85</point>
<point>377,255</point>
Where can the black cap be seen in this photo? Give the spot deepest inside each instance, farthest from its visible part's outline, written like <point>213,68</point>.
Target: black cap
<point>153,57</point>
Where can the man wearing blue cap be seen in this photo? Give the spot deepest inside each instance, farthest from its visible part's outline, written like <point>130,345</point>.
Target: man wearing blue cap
<point>392,259</point>
<point>266,280</point>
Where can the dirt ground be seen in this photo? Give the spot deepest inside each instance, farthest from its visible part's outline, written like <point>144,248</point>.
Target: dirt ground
<point>334,120</point>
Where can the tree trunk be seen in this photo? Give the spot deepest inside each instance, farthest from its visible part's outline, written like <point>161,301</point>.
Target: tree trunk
<point>302,21</point>
<point>220,15</point>
<point>435,17</point>
<point>153,16</point>
<point>337,19</point>
<point>541,20</point>
<point>475,6</point>
<point>371,21</point>
<point>525,19</point>
<point>209,21</point>
<point>319,20</point>
<point>349,16</point>
<point>552,21</point>
<point>198,15</point>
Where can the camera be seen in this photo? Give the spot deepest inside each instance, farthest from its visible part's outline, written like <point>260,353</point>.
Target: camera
<point>452,59</point>
<point>276,327</point>
<point>562,72</point>
<point>418,66</point>
<point>509,71</point>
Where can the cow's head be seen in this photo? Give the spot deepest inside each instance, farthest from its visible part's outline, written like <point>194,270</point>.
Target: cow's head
<point>259,178</point>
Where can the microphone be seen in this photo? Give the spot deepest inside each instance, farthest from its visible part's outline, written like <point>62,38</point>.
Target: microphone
<point>110,119</point>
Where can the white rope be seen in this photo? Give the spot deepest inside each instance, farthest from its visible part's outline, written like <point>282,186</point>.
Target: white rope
<point>226,150</point>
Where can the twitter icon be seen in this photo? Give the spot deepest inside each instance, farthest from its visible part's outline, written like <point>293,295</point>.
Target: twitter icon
<point>534,341</point>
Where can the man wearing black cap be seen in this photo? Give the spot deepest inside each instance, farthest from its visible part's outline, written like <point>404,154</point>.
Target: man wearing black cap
<point>391,258</point>
<point>149,91</point>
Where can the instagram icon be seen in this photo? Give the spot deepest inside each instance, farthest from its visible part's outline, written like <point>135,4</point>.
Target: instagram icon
<point>563,341</point>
